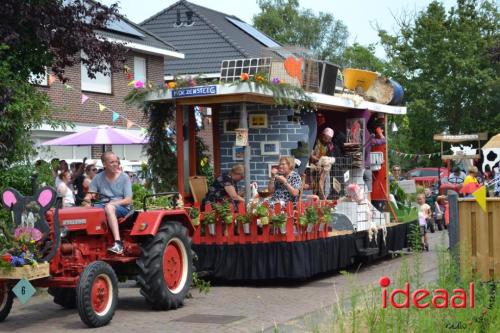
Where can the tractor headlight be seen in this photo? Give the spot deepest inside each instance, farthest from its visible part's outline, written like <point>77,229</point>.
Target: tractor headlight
<point>64,232</point>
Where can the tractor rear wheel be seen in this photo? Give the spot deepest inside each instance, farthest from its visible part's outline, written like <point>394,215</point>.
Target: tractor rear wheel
<point>97,294</point>
<point>65,297</point>
<point>6,299</point>
<point>166,267</point>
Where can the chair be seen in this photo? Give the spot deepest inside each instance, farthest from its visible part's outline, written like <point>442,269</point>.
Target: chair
<point>199,187</point>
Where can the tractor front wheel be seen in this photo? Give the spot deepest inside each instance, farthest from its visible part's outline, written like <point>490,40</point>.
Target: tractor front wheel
<point>6,299</point>
<point>166,267</point>
<point>97,294</point>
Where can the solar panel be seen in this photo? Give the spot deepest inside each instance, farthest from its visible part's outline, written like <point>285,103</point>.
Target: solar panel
<point>123,27</point>
<point>253,32</point>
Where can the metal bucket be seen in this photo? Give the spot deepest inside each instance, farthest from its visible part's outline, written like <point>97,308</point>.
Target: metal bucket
<point>246,228</point>
<point>211,229</point>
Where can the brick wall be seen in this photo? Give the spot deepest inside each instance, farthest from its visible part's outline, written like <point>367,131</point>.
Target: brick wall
<point>279,129</point>
<point>89,113</point>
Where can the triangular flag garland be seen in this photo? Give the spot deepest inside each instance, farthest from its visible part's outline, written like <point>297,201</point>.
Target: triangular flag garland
<point>480,196</point>
<point>115,115</point>
<point>412,156</point>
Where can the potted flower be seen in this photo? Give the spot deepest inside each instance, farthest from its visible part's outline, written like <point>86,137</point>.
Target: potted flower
<point>209,219</point>
<point>280,222</point>
<point>312,217</point>
<point>244,220</point>
<point>224,212</point>
<point>194,214</point>
<point>262,214</point>
<point>326,217</point>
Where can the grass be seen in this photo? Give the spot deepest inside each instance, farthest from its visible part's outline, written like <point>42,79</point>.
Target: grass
<point>361,310</point>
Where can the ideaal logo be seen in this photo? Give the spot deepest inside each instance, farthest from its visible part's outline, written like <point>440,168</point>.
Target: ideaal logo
<point>440,297</point>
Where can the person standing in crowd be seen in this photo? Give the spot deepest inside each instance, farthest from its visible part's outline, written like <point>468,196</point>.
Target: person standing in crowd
<point>471,176</point>
<point>77,178</point>
<point>63,166</point>
<point>395,174</point>
<point>226,187</point>
<point>430,200</point>
<point>90,173</point>
<point>457,176</point>
<point>64,190</point>
<point>496,181</point>
<point>424,214</point>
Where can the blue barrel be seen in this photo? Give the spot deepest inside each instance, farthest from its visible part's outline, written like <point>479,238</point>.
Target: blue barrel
<point>397,97</point>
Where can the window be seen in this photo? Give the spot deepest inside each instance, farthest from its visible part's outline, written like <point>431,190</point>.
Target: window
<point>40,79</point>
<point>101,83</point>
<point>140,69</point>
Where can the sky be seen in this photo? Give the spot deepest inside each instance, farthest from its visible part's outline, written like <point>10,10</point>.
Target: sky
<point>360,16</point>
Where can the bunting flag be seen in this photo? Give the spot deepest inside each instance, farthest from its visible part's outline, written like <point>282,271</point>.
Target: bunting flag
<point>51,79</point>
<point>84,98</point>
<point>115,115</point>
<point>414,157</point>
<point>480,196</point>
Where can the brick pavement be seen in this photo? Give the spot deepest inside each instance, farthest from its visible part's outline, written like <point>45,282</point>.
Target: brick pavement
<point>260,307</point>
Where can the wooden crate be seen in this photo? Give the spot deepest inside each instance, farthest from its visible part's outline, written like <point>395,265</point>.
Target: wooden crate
<point>479,233</point>
<point>28,272</point>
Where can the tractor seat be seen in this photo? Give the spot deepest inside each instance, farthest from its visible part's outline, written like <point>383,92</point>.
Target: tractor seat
<point>128,220</point>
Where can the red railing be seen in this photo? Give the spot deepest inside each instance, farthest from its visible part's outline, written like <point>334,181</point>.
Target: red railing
<point>234,233</point>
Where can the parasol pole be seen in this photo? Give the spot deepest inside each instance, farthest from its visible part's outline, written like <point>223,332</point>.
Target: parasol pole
<point>246,161</point>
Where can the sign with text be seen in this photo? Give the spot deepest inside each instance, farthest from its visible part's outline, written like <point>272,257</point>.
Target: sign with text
<point>194,91</point>
<point>408,186</point>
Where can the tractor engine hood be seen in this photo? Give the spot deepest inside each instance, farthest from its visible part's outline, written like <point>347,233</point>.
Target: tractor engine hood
<point>90,219</point>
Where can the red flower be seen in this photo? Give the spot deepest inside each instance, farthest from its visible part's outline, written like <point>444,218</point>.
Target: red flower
<point>129,76</point>
<point>7,257</point>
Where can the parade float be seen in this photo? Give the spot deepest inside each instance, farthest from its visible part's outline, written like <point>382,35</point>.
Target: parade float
<point>264,108</point>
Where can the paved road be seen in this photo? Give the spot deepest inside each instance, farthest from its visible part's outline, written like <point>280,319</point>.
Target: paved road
<point>227,308</point>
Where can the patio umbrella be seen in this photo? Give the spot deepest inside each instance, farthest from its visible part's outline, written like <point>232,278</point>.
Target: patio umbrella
<point>470,188</point>
<point>493,143</point>
<point>101,135</point>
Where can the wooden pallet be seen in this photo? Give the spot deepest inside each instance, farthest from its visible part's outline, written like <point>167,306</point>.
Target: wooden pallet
<point>27,272</point>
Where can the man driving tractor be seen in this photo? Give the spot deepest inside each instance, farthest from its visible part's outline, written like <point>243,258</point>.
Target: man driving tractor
<point>115,185</point>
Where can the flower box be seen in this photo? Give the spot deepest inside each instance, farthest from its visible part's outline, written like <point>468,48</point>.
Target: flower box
<point>29,272</point>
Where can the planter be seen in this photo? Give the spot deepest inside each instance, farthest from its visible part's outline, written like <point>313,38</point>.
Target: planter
<point>246,228</point>
<point>321,226</point>
<point>196,221</point>
<point>282,229</point>
<point>211,229</point>
<point>310,227</point>
<point>28,272</point>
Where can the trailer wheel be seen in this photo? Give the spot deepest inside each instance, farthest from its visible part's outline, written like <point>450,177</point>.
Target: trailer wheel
<point>6,299</point>
<point>97,294</point>
<point>65,297</point>
<point>166,267</point>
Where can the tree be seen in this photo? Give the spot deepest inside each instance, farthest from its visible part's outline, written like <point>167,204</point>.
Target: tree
<point>448,64</point>
<point>362,57</point>
<point>288,24</point>
<point>37,35</point>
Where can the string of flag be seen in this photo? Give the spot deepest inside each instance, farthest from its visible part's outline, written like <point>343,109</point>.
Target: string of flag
<point>410,156</point>
<point>115,116</point>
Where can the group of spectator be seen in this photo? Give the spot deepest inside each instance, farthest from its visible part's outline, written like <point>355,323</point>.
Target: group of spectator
<point>72,182</point>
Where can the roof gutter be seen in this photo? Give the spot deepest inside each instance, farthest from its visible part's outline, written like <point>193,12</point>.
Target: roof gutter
<point>147,49</point>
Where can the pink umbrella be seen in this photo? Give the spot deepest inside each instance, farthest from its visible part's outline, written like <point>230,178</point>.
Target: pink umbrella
<point>101,135</point>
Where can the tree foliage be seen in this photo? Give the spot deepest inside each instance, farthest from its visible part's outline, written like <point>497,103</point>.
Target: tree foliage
<point>288,24</point>
<point>41,35</point>
<point>447,61</point>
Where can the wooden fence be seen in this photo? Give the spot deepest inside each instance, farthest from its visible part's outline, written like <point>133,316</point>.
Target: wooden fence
<point>479,238</point>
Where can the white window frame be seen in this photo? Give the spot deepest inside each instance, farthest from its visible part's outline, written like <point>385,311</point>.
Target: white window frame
<point>140,69</point>
<point>101,84</point>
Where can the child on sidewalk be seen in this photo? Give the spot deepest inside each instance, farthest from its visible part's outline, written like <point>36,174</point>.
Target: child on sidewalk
<point>424,214</point>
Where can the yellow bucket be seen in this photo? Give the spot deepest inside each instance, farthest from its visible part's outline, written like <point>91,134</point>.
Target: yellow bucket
<point>354,78</point>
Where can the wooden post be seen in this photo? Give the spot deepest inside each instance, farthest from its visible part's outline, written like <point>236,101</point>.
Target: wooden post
<point>192,142</point>
<point>179,130</point>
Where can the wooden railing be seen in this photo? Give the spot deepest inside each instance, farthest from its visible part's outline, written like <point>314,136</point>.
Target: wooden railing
<point>479,238</point>
<point>234,233</point>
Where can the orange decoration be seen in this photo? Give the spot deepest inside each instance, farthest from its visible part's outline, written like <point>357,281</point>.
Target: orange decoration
<point>294,67</point>
<point>52,79</point>
<point>172,85</point>
<point>244,76</point>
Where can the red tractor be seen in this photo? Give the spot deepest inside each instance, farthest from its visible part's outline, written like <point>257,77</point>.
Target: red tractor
<point>84,275</point>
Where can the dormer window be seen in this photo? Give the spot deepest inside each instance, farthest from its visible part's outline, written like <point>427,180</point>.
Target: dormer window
<point>178,22</point>
<point>189,18</point>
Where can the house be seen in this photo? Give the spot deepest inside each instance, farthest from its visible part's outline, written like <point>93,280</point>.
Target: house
<point>206,37</point>
<point>89,102</point>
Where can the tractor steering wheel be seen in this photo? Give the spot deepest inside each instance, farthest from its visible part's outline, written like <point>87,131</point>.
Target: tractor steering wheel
<point>98,198</point>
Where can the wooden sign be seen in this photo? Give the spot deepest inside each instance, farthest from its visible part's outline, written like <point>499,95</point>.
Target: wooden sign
<point>408,186</point>
<point>461,137</point>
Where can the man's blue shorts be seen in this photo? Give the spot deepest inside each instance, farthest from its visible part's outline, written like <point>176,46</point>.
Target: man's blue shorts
<point>120,211</point>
